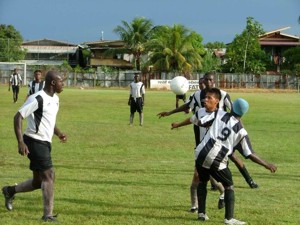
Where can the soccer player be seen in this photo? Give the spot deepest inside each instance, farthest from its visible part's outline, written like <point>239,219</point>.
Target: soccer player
<point>40,109</point>
<point>225,134</point>
<point>178,97</point>
<point>15,82</point>
<point>136,99</point>
<point>37,84</point>
<point>196,101</point>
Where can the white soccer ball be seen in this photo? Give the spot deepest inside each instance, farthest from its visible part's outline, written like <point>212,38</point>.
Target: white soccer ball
<point>179,85</point>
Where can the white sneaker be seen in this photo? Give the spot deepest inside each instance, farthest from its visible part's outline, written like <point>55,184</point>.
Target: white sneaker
<point>202,217</point>
<point>234,222</point>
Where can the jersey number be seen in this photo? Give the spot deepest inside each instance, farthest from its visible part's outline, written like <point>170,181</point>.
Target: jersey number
<point>225,132</point>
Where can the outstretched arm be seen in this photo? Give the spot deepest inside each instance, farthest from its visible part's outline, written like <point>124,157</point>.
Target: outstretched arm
<point>255,158</point>
<point>181,108</point>
<point>180,124</point>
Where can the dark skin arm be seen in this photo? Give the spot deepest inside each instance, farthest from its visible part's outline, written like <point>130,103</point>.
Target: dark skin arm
<point>22,147</point>
<point>62,137</point>
<point>255,158</point>
<point>181,108</point>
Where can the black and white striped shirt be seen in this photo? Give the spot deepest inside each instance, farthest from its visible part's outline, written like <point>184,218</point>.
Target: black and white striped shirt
<point>34,87</point>
<point>225,134</point>
<point>15,79</point>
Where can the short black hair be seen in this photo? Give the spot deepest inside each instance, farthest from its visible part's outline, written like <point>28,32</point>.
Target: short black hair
<point>215,91</point>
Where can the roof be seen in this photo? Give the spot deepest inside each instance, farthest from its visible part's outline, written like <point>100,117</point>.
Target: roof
<point>106,44</point>
<point>50,49</point>
<point>276,38</point>
<point>48,42</point>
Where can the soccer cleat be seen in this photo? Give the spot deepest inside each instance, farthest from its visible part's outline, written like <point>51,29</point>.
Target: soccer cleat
<point>221,203</point>
<point>51,219</point>
<point>252,184</point>
<point>193,209</point>
<point>234,222</point>
<point>8,198</point>
<point>202,217</point>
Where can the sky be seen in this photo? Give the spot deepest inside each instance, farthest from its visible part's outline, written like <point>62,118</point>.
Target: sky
<point>79,21</point>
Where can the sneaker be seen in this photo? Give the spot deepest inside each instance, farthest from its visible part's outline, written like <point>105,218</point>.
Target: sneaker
<point>194,209</point>
<point>234,222</point>
<point>8,198</point>
<point>252,184</point>
<point>221,203</point>
<point>202,217</point>
<point>51,219</point>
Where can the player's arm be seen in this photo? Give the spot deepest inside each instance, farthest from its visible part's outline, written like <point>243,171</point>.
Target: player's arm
<point>22,147</point>
<point>179,109</point>
<point>255,158</point>
<point>62,137</point>
<point>180,124</point>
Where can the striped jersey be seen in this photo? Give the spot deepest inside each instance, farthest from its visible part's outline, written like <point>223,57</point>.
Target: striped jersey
<point>197,99</point>
<point>224,135</point>
<point>34,87</point>
<point>15,79</point>
<point>137,90</point>
<point>40,110</point>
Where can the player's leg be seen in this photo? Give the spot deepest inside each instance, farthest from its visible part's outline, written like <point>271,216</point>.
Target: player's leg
<point>47,186</point>
<point>193,192</point>
<point>242,168</point>
<point>202,192</point>
<point>17,92</point>
<point>132,111</point>
<point>225,177</point>
<point>220,188</point>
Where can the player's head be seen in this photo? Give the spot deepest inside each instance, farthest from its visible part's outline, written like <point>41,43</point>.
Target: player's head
<point>209,80</point>
<point>201,83</point>
<point>37,75</point>
<point>212,99</point>
<point>136,78</point>
<point>53,82</point>
<point>240,107</point>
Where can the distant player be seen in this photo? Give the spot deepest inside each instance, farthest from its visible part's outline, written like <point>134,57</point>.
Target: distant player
<point>15,82</point>
<point>136,99</point>
<point>37,84</point>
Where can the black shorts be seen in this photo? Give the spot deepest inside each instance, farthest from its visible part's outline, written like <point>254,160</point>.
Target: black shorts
<point>223,176</point>
<point>39,154</point>
<point>136,105</point>
<point>183,97</point>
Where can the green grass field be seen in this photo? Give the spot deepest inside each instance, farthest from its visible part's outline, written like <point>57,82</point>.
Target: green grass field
<point>112,173</point>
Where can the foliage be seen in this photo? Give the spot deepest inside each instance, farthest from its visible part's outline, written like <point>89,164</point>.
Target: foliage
<point>135,35</point>
<point>244,54</point>
<point>210,62</point>
<point>175,49</point>
<point>10,44</point>
<point>215,45</point>
<point>292,60</point>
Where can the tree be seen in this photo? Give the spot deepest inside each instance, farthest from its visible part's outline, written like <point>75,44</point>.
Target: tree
<point>10,44</point>
<point>175,49</point>
<point>135,35</point>
<point>210,61</point>
<point>292,60</point>
<point>244,54</point>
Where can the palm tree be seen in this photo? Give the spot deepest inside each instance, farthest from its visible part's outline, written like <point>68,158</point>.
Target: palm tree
<point>135,35</point>
<point>173,49</point>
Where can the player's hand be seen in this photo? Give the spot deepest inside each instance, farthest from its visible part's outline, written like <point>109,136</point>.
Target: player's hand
<point>162,114</point>
<point>128,102</point>
<point>63,138</point>
<point>271,167</point>
<point>174,125</point>
<point>23,149</point>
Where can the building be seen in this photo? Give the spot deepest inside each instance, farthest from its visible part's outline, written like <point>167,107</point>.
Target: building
<point>275,43</point>
<point>109,53</point>
<point>51,52</point>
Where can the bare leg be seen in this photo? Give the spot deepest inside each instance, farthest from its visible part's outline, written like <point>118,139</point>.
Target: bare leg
<point>141,119</point>
<point>48,191</point>
<point>131,118</point>
<point>193,191</point>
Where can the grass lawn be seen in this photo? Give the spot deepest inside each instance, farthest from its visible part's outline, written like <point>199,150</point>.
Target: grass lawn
<point>112,173</point>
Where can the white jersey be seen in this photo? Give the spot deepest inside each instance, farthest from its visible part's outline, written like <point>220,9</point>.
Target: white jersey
<point>15,79</point>
<point>225,133</point>
<point>40,110</point>
<point>137,90</point>
<point>34,87</point>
